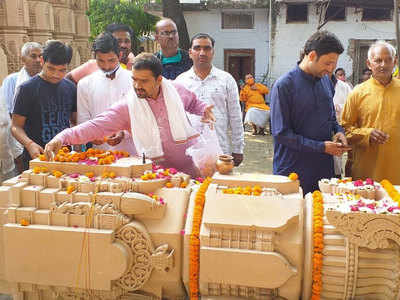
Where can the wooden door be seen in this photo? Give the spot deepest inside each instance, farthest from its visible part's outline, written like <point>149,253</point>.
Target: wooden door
<point>239,62</point>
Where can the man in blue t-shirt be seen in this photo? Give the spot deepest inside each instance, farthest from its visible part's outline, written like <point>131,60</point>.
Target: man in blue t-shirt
<point>46,104</point>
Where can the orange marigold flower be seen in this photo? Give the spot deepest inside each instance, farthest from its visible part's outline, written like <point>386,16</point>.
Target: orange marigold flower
<point>112,175</point>
<point>89,174</point>
<point>42,157</point>
<point>70,189</point>
<point>169,185</point>
<point>293,176</point>
<point>24,222</point>
<point>183,185</point>
<point>36,170</point>
<point>318,244</point>
<point>57,174</point>
<point>65,149</point>
<point>257,188</point>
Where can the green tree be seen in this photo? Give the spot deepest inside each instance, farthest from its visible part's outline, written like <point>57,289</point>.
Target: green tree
<point>173,9</point>
<point>128,12</point>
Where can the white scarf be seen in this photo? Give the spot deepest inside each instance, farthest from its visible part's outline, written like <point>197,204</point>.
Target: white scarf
<point>6,149</point>
<point>22,77</point>
<point>145,132</point>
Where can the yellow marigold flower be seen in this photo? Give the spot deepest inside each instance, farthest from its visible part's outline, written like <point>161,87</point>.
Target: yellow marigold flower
<point>24,222</point>
<point>70,189</point>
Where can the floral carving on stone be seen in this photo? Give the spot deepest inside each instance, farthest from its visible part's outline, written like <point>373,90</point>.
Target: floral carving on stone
<point>367,230</point>
<point>145,256</point>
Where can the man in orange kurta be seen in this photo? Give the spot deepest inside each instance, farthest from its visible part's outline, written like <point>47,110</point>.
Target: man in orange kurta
<point>371,118</point>
<point>257,112</point>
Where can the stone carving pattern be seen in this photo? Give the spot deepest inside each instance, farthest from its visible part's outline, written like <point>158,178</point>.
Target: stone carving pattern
<point>83,208</point>
<point>32,14</point>
<point>367,230</point>
<point>397,263</point>
<point>218,289</point>
<point>145,257</point>
<point>13,58</point>
<point>3,14</point>
<point>13,62</point>
<point>79,294</point>
<point>20,11</point>
<point>351,270</point>
<point>56,23</point>
<point>241,239</point>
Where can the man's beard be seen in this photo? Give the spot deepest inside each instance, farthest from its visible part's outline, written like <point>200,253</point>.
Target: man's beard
<point>141,93</point>
<point>124,55</point>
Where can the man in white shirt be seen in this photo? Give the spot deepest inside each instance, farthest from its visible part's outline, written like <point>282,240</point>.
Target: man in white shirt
<point>218,88</point>
<point>101,89</point>
<point>342,90</point>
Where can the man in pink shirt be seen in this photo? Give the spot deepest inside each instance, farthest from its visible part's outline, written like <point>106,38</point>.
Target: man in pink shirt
<point>123,33</point>
<point>155,114</point>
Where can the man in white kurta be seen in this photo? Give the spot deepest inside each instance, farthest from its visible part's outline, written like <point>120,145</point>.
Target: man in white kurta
<point>103,88</point>
<point>218,88</point>
<point>342,90</point>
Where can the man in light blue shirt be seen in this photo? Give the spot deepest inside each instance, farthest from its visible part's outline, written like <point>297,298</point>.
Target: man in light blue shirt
<point>30,54</point>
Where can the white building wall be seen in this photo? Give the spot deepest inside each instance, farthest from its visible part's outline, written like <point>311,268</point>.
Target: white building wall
<point>290,38</point>
<point>257,38</point>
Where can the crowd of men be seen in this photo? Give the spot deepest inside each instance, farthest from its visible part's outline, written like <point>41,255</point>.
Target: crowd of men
<point>158,104</point>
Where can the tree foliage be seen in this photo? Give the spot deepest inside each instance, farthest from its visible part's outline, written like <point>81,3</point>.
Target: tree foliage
<point>173,9</point>
<point>128,12</point>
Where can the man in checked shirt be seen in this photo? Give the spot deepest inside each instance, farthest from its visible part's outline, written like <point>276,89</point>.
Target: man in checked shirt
<point>218,88</point>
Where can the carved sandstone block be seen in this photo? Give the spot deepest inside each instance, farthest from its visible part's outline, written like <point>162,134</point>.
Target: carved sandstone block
<point>38,179</point>
<point>16,191</point>
<point>41,217</point>
<point>64,246</point>
<point>47,196</point>
<point>5,192</point>
<point>25,213</point>
<point>30,195</point>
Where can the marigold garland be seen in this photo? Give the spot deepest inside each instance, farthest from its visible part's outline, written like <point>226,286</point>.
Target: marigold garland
<point>318,244</point>
<point>391,190</point>
<point>194,248</point>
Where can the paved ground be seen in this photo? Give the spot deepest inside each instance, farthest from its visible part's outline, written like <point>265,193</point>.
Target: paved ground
<point>258,154</point>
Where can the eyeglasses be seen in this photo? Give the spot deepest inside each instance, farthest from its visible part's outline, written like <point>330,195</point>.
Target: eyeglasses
<point>168,33</point>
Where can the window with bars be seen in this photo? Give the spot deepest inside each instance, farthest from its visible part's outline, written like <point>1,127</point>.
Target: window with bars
<point>297,13</point>
<point>376,14</point>
<point>237,20</point>
<point>335,13</point>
